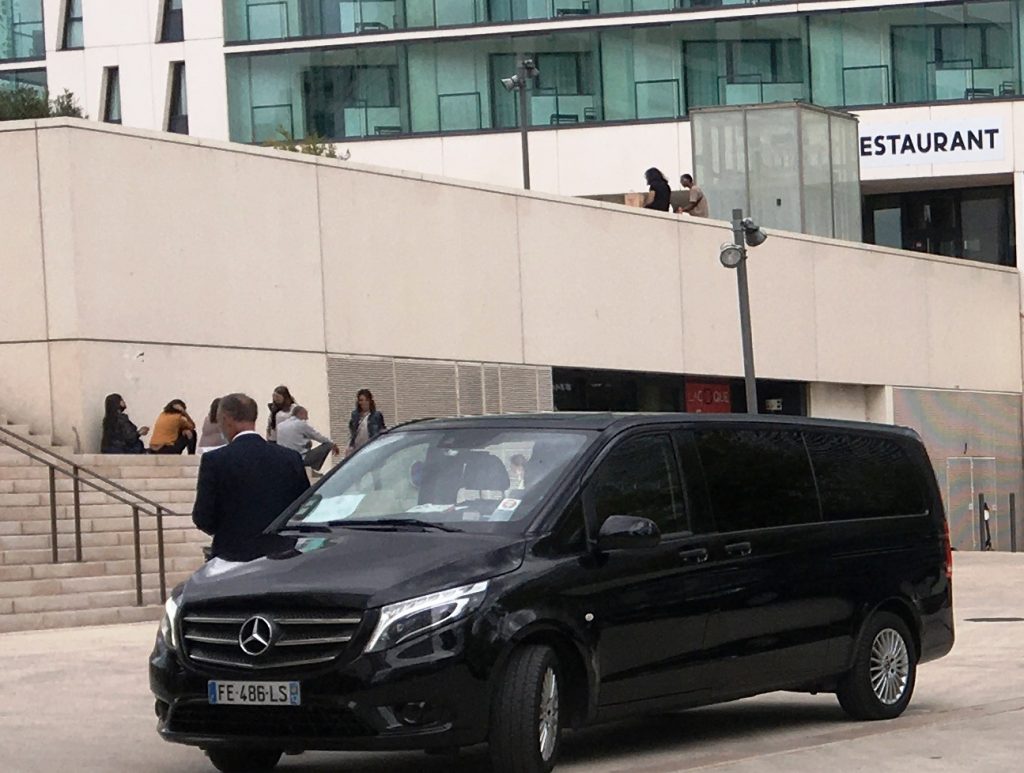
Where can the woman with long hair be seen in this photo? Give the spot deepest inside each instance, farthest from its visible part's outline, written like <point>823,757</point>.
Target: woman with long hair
<point>120,435</point>
<point>366,421</point>
<point>281,405</point>
<point>659,196</point>
<point>211,437</point>
<point>174,430</point>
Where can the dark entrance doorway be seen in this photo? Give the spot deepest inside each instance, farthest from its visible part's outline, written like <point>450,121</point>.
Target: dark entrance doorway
<point>582,389</point>
<point>971,223</point>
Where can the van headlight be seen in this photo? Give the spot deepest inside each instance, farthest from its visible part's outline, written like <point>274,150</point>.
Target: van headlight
<point>402,621</point>
<point>169,621</point>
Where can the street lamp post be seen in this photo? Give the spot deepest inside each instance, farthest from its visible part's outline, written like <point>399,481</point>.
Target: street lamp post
<point>519,83</point>
<point>745,232</point>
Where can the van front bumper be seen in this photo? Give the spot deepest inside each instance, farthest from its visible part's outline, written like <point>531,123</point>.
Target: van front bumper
<point>369,704</point>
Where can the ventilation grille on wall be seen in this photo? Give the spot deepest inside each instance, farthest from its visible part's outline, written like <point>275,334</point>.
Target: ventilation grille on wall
<point>414,389</point>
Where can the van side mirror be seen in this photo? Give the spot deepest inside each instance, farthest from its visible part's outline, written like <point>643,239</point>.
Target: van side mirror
<point>620,532</point>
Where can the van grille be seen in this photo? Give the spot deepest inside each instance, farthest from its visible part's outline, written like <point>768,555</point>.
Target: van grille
<point>296,637</point>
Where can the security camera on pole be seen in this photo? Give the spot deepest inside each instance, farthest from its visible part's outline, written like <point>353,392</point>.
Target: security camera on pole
<point>745,233</point>
<point>519,82</point>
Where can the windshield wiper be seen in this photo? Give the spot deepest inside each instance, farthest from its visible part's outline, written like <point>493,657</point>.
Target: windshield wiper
<point>319,528</point>
<point>386,523</point>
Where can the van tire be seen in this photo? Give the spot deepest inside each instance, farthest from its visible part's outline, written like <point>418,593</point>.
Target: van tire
<point>234,759</point>
<point>530,689</point>
<point>886,654</point>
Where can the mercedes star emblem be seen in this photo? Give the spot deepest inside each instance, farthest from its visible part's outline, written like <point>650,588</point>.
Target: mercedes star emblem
<point>256,635</point>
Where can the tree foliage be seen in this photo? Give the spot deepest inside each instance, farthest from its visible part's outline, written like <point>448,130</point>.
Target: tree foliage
<point>24,102</point>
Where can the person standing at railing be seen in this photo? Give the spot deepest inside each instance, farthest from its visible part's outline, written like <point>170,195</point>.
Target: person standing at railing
<point>245,485</point>
<point>660,195</point>
<point>174,430</point>
<point>120,435</point>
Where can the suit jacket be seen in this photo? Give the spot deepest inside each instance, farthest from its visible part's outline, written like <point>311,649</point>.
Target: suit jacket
<point>242,488</point>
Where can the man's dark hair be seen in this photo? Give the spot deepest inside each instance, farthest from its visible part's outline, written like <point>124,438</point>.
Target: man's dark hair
<point>239,407</point>
<point>688,177</point>
<point>172,406</point>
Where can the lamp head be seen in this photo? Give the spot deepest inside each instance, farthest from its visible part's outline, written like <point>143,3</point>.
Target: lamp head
<point>530,68</point>
<point>510,84</point>
<point>730,255</point>
<point>752,232</point>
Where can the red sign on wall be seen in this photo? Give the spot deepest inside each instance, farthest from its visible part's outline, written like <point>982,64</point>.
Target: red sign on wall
<point>708,397</point>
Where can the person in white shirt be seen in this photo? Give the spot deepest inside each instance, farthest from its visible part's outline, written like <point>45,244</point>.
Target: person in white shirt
<point>295,432</point>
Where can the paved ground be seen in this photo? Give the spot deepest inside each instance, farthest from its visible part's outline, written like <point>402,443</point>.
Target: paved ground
<point>78,701</point>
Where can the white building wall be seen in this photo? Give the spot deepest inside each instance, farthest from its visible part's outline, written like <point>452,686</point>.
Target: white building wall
<point>183,271</point>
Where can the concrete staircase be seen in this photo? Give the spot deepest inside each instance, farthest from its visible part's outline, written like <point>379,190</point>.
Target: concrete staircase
<point>37,593</point>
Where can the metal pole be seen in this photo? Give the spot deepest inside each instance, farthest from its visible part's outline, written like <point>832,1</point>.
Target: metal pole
<point>524,126</point>
<point>138,556</point>
<point>1013,522</point>
<point>160,553</point>
<point>78,513</point>
<point>53,514</point>
<point>981,521</point>
<point>746,333</point>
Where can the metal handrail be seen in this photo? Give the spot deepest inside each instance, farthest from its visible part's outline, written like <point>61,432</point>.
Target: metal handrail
<point>143,505</point>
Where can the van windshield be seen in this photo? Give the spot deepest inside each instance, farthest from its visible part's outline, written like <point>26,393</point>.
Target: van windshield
<point>472,479</point>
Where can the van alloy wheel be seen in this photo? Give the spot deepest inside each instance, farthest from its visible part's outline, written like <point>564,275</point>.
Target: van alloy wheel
<point>548,714</point>
<point>526,724</point>
<point>890,666</point>
<point>880,682</point>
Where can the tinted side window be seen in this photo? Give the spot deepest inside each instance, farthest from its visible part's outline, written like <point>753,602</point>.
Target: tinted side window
<point>860,476</point>
<point>757,478</point>
<point>639,477</point>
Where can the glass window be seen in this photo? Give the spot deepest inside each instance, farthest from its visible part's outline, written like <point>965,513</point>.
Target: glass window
<point>860,476</point>
<point>21,29</point>
<point>173,22</point>
<point>639,477</point>
<point>757,478</point>
<point>32,79</point>
<point>112,96</point>
<point>461,478</point>
<point>177,119</point>
<point>73,28</point>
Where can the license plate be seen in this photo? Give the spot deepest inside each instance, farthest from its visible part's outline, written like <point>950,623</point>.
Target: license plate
<point>254,693</point>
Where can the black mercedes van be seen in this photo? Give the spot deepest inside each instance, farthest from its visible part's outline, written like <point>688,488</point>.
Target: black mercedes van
<point>500,579</point>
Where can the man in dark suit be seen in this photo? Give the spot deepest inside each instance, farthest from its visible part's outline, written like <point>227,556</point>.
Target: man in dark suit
<point>246,484</point>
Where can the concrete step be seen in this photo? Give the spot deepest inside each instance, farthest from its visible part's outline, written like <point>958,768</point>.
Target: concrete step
<point>97,600</point>
<point>26,589</point>
<point>107,553</point>
<point>32,621</point>
<point>148,487</point>
<point>99,539</point>
<point>111,523</point>
<point>93,498</point>
<point>48,571</point>
<point>67,512</point>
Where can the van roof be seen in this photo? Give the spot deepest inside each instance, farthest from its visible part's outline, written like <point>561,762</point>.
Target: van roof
<point>618,421</point>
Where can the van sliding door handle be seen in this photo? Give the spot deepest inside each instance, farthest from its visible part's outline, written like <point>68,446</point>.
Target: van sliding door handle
<point>738,549</point>
<point>695,556</point>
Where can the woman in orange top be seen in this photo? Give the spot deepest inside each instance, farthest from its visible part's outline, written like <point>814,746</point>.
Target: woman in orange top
<point>174,431</point>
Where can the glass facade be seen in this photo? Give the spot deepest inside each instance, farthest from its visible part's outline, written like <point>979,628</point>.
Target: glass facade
<point>890,56</point>
<point>247,20</point>
<point>21,29</point>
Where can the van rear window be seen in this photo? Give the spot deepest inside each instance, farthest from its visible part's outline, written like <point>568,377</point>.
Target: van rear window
<point>860,476</point>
